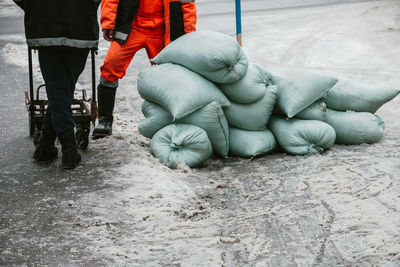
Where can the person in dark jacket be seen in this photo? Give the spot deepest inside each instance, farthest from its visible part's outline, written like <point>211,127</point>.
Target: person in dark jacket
<point>63,32</point>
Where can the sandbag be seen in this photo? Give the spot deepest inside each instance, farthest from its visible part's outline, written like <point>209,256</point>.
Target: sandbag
<point>317,111</point>
<point>156,118</point>
<point>210,118</point>
<point>216,56</point>
<point>300,137</point>
<point>178,90</point>
<point>253,117</point>
<point>357,96</point>
<point>181,142</point>
<point>299,88</point>
<point>250,88</point>
<point>354,128</point>
<point>249,144</point>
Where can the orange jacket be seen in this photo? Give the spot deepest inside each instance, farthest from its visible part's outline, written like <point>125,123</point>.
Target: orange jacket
<point>179,17</point>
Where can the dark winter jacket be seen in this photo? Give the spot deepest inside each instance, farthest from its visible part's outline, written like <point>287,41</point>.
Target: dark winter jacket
<point>71,23</point>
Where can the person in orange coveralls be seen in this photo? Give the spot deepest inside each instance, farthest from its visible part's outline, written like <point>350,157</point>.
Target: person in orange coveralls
<point>131,25</point>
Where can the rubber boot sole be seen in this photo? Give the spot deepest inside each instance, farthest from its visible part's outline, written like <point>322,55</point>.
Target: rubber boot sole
<point>100,135</point>
<point>45,155</point>
<point>70,166</point>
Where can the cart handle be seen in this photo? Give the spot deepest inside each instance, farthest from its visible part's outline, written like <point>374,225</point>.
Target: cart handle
<point>37,91</point>
<point>93,52</point>
<point>93,103</point>
<point>31,106</point>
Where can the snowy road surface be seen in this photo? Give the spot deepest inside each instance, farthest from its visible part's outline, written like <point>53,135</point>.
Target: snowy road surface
<point>123,207</point>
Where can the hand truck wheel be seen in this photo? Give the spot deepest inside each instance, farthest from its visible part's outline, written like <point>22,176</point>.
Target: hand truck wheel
<point>82,137</point>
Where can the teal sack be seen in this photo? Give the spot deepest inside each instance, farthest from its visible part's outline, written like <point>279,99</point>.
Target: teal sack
<point>317,111</point>
<point>210,118</point>
<point>181,142</point>
<point>255,116</point>
<point>357,96</point>
<point>178,90</point>
<point>156,117</point>
<point>299,88</point>
<point>250,143</point>
<point>354,128</point>
<point>216,56</point>
<point>301,137</point>
<point>250,88</point>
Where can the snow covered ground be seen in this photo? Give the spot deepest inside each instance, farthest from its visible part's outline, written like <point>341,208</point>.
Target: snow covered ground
<point>341,207</point>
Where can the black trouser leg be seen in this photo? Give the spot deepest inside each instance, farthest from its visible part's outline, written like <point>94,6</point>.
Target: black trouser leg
<point>61,68</point>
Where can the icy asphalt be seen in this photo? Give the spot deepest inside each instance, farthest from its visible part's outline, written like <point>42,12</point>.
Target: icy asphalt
<point>122,207</point>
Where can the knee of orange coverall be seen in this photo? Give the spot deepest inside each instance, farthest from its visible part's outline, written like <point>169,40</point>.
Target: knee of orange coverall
<point>117,60</point>
<point>113,68</point>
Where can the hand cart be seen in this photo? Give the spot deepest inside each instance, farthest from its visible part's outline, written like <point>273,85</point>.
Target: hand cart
<point>82,114</point>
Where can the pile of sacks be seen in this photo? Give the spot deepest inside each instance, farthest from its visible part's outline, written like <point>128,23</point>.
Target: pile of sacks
<point>204,97</point>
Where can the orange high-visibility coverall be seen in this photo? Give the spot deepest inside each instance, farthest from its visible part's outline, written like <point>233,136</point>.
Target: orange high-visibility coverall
<point>150,30</point>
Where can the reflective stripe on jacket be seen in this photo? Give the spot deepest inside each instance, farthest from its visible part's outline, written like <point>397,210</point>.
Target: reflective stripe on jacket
<point>70,23</point>
<point>118,15</point>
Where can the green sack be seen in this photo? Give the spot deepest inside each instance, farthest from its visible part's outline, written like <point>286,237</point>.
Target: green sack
<point>255,116</point>
<point>357,96</point>
<point>299,88</point>
<point>317,111</point>
<point>250,88</point>
<point>156,118</point>
<point>216,56</point>
<point>354,128</point>
<point>181,142</point>
<point>178,90</point>
<point>210,118</point>
<point>300,137</point>
<point>249,144</point>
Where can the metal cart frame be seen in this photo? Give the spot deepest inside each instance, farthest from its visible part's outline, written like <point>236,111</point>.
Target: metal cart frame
<point>82,114</point>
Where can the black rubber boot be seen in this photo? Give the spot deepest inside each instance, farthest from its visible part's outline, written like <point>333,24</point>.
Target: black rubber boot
<point>70,155</point>
<point>45,150</point>
<point>106,101</point>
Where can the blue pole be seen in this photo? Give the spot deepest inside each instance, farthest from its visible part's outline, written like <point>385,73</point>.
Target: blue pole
<point>238,22</point>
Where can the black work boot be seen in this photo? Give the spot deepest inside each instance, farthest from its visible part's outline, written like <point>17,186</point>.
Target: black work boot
<point>106,101</point>
<point>45,150</point>
<point>70,155</point>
